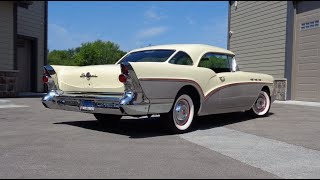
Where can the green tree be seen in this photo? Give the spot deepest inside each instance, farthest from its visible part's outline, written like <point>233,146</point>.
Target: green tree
<point>61,57</point>
<point>98,52</point>
<point>90,53</point>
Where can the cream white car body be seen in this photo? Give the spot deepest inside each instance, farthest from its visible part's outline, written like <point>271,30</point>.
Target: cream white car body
<point>155,85</point>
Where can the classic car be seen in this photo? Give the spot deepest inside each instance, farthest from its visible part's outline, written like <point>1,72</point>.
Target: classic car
<point>178,81</point>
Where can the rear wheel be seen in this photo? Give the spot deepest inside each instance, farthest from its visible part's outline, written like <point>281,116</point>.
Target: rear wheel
<point>180,117</point>
<point>261,106</point>
<point>107,119</point>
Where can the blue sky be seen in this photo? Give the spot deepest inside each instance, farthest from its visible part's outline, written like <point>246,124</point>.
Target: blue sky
<point>137,24</point>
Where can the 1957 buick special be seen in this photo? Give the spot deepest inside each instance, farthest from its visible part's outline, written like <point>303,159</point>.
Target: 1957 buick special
<point>177,81</point>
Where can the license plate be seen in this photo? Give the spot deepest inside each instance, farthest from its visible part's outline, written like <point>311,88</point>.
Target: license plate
<point>86,106</point>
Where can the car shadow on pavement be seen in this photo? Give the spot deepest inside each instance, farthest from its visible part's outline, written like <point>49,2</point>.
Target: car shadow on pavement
<point>154,126</point>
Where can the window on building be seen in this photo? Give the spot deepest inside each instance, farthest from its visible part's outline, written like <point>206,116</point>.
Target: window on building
<point>181,58</point>
<point>216,62</point>
<point>309,25</point>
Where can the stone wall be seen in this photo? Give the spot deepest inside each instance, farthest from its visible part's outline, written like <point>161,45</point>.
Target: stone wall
<point>8,83</point>
<point>281,89</point>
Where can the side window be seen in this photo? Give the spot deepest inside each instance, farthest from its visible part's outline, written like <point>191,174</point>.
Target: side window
<point>217,62</point>
<point>181,58</point>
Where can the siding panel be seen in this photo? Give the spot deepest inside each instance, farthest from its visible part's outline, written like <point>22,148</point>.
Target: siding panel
<point>258,38</point>
<point>6,35</point>
<point>31,23</point>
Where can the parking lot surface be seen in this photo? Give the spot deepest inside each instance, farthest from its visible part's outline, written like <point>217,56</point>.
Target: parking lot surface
<point>36,142</point>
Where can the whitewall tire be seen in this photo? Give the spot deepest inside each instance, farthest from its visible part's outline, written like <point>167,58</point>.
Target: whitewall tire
<point>262,105</point>
<point>181,116</point>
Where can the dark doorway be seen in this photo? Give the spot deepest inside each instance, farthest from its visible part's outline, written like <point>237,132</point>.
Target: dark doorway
<point>26,63</point>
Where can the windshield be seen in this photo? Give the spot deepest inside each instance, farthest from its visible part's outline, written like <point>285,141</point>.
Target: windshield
<point>148,56</point>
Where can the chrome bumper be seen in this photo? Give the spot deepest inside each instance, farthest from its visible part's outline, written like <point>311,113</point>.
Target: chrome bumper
<point>103,104</point>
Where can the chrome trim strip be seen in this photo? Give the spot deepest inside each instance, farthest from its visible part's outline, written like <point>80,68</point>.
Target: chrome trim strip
<point>119,105</point>
<point>92,93</point>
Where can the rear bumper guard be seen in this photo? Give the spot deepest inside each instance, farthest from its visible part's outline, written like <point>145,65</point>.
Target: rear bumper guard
<point>103,104</point>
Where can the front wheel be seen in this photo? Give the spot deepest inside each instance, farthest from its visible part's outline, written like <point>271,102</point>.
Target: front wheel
<point>181,115</point>
<point>107,119</point>
<point>261,106</point>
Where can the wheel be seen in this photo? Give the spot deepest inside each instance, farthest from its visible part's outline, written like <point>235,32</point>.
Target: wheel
<point>107,119</point>
<point>262,105</point>
<point>180,117</point>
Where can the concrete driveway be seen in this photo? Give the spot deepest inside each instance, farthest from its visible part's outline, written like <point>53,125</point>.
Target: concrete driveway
<point>36,142</point>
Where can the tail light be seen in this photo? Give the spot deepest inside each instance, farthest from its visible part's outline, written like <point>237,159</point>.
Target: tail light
<point>124,74</point>
<point>122,78</point>
<point>45,79</point>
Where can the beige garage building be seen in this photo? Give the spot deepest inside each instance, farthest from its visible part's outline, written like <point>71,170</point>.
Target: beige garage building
<point>23,46</point>
<point>281,38</point>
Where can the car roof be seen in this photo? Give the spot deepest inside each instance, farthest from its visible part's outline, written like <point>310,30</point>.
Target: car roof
<point>194,50</point>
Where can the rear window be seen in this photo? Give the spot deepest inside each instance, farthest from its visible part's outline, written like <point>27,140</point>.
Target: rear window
<point>148,56</point>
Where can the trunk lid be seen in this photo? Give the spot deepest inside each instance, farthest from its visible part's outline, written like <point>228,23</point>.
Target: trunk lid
<point>96,78</point>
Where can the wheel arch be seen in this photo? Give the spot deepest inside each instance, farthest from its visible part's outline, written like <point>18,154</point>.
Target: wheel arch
<point>267,89</point>
<point>193,93</point>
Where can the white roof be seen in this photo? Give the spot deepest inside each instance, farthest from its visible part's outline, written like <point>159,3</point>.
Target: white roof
<point>194,50</point>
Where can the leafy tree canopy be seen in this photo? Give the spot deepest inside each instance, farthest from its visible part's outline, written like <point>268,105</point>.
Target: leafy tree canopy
<point>90,53</point>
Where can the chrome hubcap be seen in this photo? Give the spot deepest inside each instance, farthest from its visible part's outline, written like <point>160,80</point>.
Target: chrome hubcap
<point>181,112</point>
<point>261,103</point>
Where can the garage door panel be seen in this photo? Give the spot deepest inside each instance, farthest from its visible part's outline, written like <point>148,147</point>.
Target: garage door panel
<point>307,66</point>
<point>308,80</point>
<point>310,59</point>
<point>311,16</point>
<point>307,99</point>
<point>308,45</point>
<point>307,87</point>
<point>313,73</point>
<point>307,94</point>
<point>307,53</point>
<point>310,38</point>
<point>309,32</point>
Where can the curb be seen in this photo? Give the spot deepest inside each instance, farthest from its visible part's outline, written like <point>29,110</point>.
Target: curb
<point>299,103</point>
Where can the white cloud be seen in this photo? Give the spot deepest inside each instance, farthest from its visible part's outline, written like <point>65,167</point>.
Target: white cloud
<point>151,32</point>
<point>152,14</point>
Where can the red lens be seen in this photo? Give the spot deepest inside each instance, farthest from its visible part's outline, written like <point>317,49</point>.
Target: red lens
<point>45,79</point>
<point>122,78</point>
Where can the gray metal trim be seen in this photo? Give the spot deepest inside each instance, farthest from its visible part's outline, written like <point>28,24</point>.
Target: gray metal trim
<point>289,48</point>
<point>118,105</point>
<point>229,16</point>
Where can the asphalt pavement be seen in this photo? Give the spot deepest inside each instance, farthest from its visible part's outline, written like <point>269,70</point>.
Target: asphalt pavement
<point>36,142</point>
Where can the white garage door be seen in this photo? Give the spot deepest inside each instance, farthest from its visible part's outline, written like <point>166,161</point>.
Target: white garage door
<point>307,52</point>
